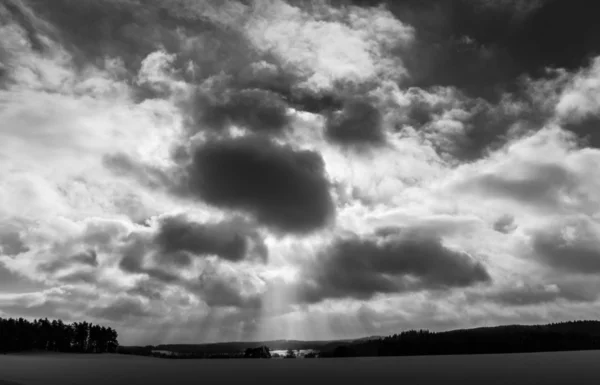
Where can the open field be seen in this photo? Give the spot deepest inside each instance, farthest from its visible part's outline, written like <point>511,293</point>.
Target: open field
<point>515,369</point>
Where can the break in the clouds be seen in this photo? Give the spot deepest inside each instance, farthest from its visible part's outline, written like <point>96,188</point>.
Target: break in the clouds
<point>207,170</point>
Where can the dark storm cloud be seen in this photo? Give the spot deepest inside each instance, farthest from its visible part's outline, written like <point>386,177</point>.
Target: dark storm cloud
<point>587,129</point>
<point>255,95</point>
<point>575,253</point>
<point>482,47</point>
<point>255,90</point>
<point>256,110</point>
<point>315,103</point>
<point>505,224</point>
<point>93,30</point>
<point>214,290</point>
<point>488,128</point>
<point>134,256</point>
<point>283,188</point>
<point>355,267</point>
<point>485,49</point>
<point>358,123</point>
<point>174,245</point>
<point>230,240</point>
<point>11,243</point>
<point>421,112</point>
<point>469,128</point>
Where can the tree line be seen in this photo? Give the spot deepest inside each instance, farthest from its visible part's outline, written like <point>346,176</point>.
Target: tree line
<point>568,336</point>
<point>17,335</point>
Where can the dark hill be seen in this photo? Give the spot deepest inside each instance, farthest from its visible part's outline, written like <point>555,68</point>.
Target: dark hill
<point>577,335</point>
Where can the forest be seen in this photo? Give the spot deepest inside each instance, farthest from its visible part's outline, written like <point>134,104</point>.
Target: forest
<point>18,335</point>
<point>566,336</point>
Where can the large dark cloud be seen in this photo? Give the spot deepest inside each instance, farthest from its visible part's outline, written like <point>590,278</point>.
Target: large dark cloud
<point>133,261</point>
<point>588,129</point>
<point>126,29</point>
<point>252,89</point>
<point>505,224</point>
<point>93,30</point>
<point>11,243</point>
<point>213,288</point>
<point>482,46</point>
<point>283,188</point>
<point>467,129</point>
<point>163,256</point>
<point>257,110</point>
<point>315,102</point>
<point>569,247</point>
<point>358,123</point>
<point>178,240</point>
<point>231,240</point>
<point>389,262</point>
<point>485,49</point>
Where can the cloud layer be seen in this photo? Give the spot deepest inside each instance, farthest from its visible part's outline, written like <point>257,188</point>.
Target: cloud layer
<point>208,170</point>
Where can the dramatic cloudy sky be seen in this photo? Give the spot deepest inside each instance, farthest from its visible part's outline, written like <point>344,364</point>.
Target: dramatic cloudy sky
<point>205,170</point>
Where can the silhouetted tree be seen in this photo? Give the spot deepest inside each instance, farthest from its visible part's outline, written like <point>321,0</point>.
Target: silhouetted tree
<point>42,334</point>
<point>259,352</point>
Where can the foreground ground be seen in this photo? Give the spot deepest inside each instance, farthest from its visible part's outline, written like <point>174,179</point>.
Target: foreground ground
<point>515,369</point>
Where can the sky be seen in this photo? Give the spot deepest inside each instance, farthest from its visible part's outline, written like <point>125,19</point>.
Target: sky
<point>199,170</point>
